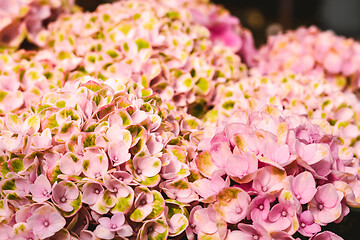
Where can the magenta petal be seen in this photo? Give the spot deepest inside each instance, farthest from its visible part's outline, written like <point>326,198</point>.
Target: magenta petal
<point>275,212</point>
<point>231,39</point>
<point>313,228</point>
<point>326,235</point>
<point>307,217</point>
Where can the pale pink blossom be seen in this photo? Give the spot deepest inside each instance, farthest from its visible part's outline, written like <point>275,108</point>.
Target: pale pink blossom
<point>46,221</point>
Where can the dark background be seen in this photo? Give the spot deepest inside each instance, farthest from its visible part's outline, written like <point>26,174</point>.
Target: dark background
<point>264,17</point>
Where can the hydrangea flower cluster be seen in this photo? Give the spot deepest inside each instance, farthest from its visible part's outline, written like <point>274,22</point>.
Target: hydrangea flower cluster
<point>20,19</point>
<point>302,94</point>
<point>26,76</point>
<point>156,44</point>
<point>281,171</point>
<point>223,27</point>
<point>96,141</point>
<point>311,51</point>
<point>140,46</point>
<point>89,158</point>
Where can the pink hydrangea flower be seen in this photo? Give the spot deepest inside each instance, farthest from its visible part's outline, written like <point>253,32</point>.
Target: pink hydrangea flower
<point>41,189</point>
<point>326,204</point>
<point>63,195</point>
<point>310,51</point>
<point>326,235</point>
<point>146,166</point>
<point>259,207</point>
<point>46,221</point>
<point>203,220</point>
<point>108,227</point>
<point>210,187</point>
<point>307,225</point>
<point>91,192</point>
<point>22,19</point>
<point>249,232</point>
<point>303,187</point>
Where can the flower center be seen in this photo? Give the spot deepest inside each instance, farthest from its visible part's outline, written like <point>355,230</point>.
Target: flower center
<point>150,229</point>
<point>97,175</point>
<point>97,191</point>
<point>265,189</point>
<point>63,199</point>
<point>115,158</point>
<point>302,225</point>
<point>113,226</point>
<point>115,190</point>
<point>46,223</point>
<point>298,196</point>
<point>192,226</point>
<point>45,192</point>
<point>138,171</point>
<point>256,237</point>
<point>143,202</point>
<point>238,210</point>
<point>261,207</point>
<point>320,206</point>
<point>283,213</point>
<point>121,178</point>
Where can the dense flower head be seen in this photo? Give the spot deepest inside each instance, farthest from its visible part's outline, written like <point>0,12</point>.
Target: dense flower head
<point>150,42</point>
<point>311,51</point>
<point>89,149</point>
<point>26,76</point>
<point>96,139</point>
<point>302,94</point>
<point>28,19</point>
<point>132,41</point>
<point>288,174</point>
